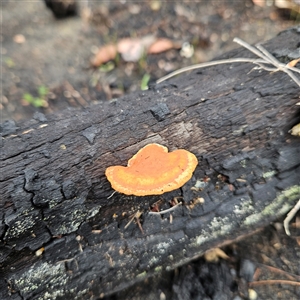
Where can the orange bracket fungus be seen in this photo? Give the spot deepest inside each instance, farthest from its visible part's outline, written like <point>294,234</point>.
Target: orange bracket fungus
<point>153,171</point>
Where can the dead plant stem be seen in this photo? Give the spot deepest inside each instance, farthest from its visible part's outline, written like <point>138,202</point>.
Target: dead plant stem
<point>266,59</point>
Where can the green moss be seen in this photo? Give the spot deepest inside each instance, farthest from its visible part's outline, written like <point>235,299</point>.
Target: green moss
<point>222,226</point>
<point>158,269</point>
<point>141,275</point>
<point>268,174</point>
<point>243,163</point>
<point>279,206</point>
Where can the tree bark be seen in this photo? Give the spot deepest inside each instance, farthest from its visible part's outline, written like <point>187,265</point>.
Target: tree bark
<point>62,237</point>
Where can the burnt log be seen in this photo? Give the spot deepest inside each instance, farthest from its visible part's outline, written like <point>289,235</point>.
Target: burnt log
<point>63,237</point>
<point>62,8</point>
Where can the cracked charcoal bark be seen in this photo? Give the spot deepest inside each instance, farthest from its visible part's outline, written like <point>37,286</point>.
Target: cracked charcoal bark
<point>54,192</point>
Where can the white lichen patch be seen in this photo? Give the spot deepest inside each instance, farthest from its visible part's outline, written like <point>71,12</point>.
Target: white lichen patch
<point>243,163</point>
<point>52,295</point>
<point>21,226</point>
<point>218,227</point>
<point>153,261</point>
<point>93,212</point>
<point>200,239</point>
<point>240,130</point>
<point>163,246</point>
<point>222,225</point>
<point>244,208</point>
<point>62,293</point>
<point>53,202</point>
<point>168,268</point>
<point>73,220</point>
<point>80,294</point>
<point>119,275</point>
<point>41,275</point>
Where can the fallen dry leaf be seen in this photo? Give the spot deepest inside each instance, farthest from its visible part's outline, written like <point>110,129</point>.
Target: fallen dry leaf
<point>295,130</point>
<point>292,5</point>
<point>260,3</point>
<point>19,39</point>
<point>104,54</point>
<point>214,254</point>
<point>132,49</point>
<point>162,45</point>
<point>155,5</point>
<point>293,62</point>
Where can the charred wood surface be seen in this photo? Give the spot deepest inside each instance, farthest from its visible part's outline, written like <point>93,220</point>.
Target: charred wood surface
<point>62,8</point>
<point>62,238</point>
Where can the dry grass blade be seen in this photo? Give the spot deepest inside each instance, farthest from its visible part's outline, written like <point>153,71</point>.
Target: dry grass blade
<point>265,62</point>
<point>209,64</point>
<point>280,66</point>
<point>290,216</point>
<point>270,282</point>
<point>164,211</point>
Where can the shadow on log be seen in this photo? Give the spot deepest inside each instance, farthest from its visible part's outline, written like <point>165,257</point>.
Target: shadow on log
<point>62,238</point>
<point>62,8</point>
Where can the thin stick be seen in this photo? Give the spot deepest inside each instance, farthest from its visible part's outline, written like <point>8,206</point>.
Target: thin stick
<point>278,281</point>
<point>132,218</point>
<point>139,224</point>
<point>290,216</point>
<point>291,276</point>
<point>164,211</point>
<point>136,216</point>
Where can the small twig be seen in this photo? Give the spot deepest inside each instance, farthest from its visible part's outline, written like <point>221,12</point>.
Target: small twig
<point>290,216</point>
<point>291,276</point>
<point>278,281</point>
<point>65,260</point>
<point>132,218</point>
<point>137,217</point>
<point>139,224</point>
<point>164,211</point>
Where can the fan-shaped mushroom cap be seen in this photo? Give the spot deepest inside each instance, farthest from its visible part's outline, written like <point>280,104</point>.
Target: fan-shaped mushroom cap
<point>153,171</point>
